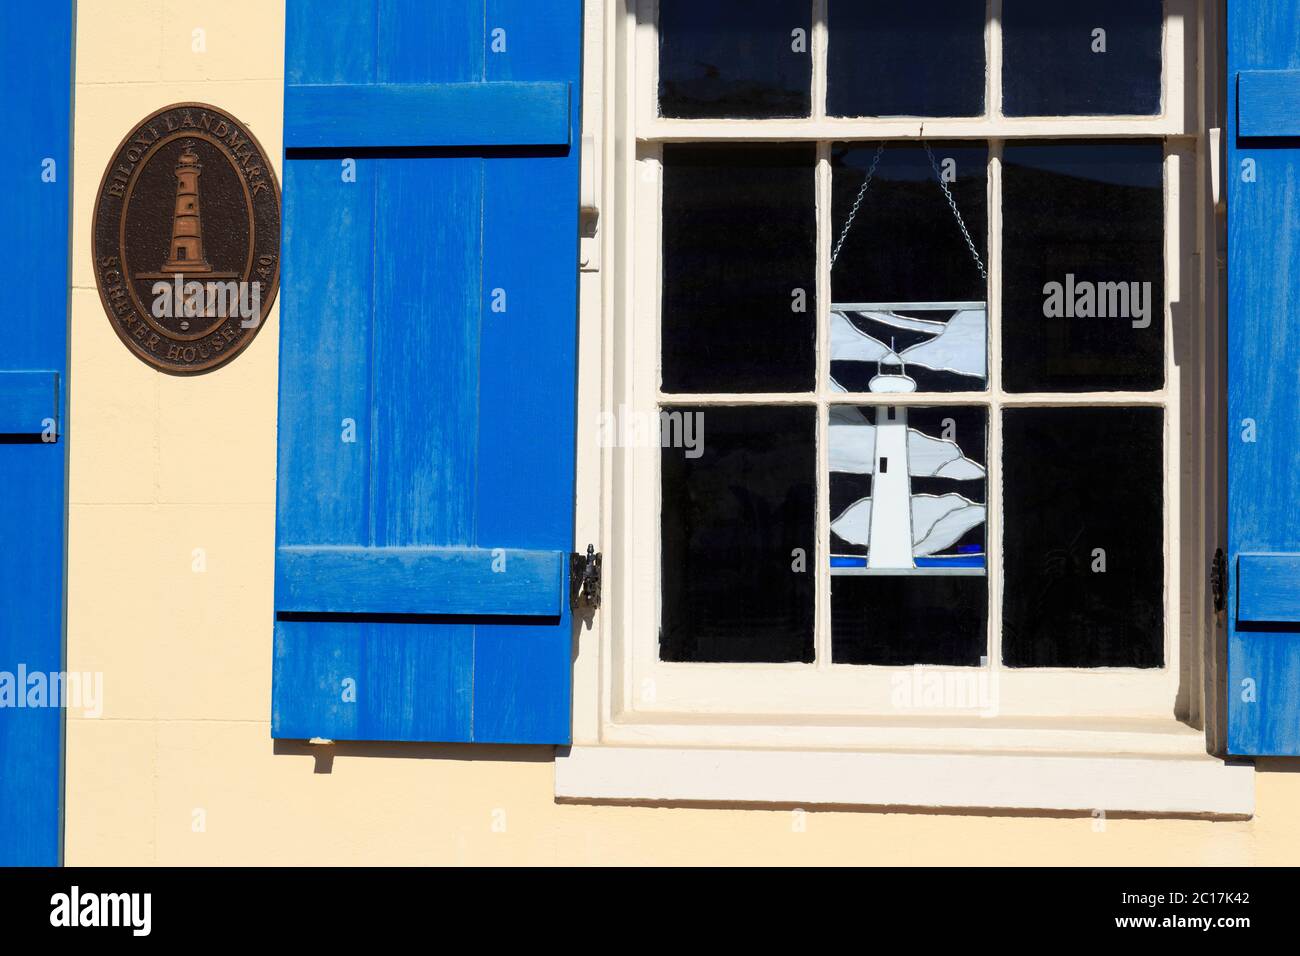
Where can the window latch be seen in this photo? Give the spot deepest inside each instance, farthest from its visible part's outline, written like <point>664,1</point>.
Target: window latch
<point>589,206</point>
<point>584,579</point>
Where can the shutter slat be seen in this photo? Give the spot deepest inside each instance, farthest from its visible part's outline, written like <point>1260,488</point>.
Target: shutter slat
<point>450,581</point>
<point>400,115</point>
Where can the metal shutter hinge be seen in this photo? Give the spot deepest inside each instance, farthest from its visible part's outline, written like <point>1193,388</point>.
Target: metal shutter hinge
<point>1219,580</point>
<point>584,579</point>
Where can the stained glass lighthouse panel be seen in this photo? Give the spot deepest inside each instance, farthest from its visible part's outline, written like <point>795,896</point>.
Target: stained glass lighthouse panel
<point>908,500</point>
<point>908,273</point>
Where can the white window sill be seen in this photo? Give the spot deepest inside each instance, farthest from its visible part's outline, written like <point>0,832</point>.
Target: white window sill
<point>1183,785</point>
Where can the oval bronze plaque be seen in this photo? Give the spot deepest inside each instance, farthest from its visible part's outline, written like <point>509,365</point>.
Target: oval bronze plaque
<point>186,238</point>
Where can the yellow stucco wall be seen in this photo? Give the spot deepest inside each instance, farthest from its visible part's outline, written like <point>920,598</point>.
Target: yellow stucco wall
<point>162,466</point>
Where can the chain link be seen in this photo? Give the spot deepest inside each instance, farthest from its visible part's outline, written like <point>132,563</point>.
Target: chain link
<point>947,194</point>
<point>952,204</point>
<point>857,203</point>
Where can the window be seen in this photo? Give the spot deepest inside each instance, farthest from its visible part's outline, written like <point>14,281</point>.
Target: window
<point>911,275</point>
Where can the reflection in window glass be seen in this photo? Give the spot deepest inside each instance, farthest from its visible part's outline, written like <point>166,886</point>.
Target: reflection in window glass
<point>738,514</point>
<point>734,58</point>
<point>898,59</point>
<point>1083,261</point>
<point>739,268</point>
<point>908,511</point>
<point>1083,546</point>
<point>1100,58</point>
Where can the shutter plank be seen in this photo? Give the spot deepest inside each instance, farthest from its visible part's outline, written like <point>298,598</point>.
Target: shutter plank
<point>522,674</point>
<point>424,448</point>
<point>322,487</point>
<point>330,42</point>
<point>372,681</point>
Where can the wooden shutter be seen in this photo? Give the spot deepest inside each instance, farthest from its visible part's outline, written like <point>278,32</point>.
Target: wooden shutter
<point>427,370</point>
<point>1263,173</point>
<point>36,168</point>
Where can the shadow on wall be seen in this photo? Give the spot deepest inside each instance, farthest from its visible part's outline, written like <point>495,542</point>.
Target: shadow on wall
<point>1277,764</point>
<point>324,754</point>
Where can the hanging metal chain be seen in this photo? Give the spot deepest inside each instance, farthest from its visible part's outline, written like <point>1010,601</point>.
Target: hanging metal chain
<point>857,203</point>
<point>952,204</point>
<point>947,194</point>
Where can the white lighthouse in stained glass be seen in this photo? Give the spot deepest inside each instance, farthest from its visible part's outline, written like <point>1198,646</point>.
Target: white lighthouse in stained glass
<point>890,541</point>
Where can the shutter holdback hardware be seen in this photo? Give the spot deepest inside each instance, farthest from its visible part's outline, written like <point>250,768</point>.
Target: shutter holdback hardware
<point>584,579</point>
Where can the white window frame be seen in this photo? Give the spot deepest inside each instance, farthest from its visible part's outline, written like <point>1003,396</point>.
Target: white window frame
<point>624,696</point>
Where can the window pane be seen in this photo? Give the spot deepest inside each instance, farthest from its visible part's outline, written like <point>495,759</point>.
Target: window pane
<point>738,535</point>
<point>908,511</point>
<point>897,59</point>
<point>739,268</point>
<point>1083,545</point>
<point>1083,59</point>
<point>1083,258</point>
<point>907,289</point>
<point>734,58</point>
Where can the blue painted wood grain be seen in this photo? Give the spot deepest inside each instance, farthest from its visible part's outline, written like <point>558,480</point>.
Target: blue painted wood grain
<point>462,413</point>
<point>1268,103</point>
<point>1263,195</point>
<point>28,399</point>
<point>36,62</point>
<point>523,673</point>
<point>380,580</point>
<point>1268,588</point>
<point>429,114</point>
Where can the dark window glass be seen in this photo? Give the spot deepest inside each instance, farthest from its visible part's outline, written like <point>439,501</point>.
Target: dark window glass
<point>904,621</point>
<point>905,243</point>
<point>908,556</point>
<point>738,536</point>
<point>1083,258</point>
<point>739,268</point>
<point>1083,547</point>
<point>734,58</point>
<point>1083,59</point>
<point>898,59</point>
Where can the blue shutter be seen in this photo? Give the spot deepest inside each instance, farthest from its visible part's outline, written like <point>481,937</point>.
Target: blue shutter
<point>1263,551</point>
<point>36,170</point>
<point>427,371</point>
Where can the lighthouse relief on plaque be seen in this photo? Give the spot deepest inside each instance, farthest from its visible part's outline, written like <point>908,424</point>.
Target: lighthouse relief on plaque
<point>186,238</point>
